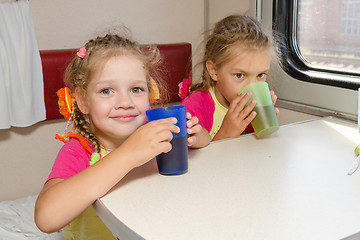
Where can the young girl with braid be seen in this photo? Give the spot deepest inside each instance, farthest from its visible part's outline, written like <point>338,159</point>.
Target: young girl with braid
<point>238,51</point>
<point>111,83</point>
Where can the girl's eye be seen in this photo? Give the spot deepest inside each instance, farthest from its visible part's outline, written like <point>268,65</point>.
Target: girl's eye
<point>239,75</point>
<point>137,90</point>
<point>262,75</point>
<point>106,91</point>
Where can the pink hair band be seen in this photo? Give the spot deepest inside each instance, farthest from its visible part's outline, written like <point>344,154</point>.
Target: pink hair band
<point>82,52</point>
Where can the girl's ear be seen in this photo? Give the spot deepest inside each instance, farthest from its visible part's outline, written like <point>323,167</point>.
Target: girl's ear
<point>81,101</point>
<point>211,68</point>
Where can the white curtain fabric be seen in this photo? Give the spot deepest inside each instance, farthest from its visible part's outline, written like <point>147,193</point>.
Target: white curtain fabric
<point>21,79</point>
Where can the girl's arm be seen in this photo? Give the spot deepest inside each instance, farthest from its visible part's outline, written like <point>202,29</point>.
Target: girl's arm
<point>62,200</point>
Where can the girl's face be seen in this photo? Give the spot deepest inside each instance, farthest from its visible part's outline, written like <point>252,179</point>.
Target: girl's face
<point>247,67</point>
<point>116,99</point>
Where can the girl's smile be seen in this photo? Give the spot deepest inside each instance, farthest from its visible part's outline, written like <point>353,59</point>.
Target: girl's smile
<point>124,118</point>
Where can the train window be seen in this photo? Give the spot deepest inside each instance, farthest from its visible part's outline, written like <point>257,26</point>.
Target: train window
<point>320,40</point>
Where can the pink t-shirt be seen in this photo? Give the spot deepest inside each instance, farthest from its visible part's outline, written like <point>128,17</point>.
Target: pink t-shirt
<point>201,105</point>
<point>71,159</point>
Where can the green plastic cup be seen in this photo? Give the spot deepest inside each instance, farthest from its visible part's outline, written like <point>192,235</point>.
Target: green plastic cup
<point>265,122</point>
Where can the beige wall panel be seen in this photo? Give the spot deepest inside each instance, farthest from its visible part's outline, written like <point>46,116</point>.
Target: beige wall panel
<point>28,153</point>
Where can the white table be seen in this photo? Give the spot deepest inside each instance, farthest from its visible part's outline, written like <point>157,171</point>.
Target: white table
<point>290,185</point>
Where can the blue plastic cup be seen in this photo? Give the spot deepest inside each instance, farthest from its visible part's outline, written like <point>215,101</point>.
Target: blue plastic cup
<point>174,162</point>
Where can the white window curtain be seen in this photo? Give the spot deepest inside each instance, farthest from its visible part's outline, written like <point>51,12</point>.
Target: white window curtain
<point>21,79</point>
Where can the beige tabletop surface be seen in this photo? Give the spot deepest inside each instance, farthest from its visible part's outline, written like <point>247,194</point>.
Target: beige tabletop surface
<point>293,184</point>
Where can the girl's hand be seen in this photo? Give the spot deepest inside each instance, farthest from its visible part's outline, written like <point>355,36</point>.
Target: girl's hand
<point>150,140</point>
<point>274,98</point>
<point>237,118</point>
<point>197,136</point>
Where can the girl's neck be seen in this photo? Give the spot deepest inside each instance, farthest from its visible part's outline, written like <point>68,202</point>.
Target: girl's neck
<point>107,149</point>
<point>110,145</point>
<point>220,98</point>
<point>107,142</point>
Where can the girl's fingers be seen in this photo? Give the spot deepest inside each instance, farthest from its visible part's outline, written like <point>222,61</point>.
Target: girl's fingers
<point>250,117</point>
<point>165,124</point>
<point>239,102</point>
<point>188,115</point>
<point>277,111</point>
<point>248,109</point>
<point>165,146</point>
<point>191,140</point>
<point>165,135</point>
<point>241,110</point>
<point>194,129</point>
<point>172,120</point>
<point>273,97</point>
<point>234,103</point>
<point>192,122</point>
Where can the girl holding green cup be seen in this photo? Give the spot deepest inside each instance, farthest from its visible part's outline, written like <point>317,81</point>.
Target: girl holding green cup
<point>238,52</point>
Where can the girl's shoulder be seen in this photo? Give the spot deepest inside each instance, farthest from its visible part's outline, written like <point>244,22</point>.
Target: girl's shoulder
<point>199,100</point>
<point>201,105</point>
<point>77,146</point>
<point>72,158</point>
<point>74,144</point>
<point>77,139</point>
<point>198,95</point>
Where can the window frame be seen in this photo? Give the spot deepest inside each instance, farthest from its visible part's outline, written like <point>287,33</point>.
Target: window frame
<point>285,24</point>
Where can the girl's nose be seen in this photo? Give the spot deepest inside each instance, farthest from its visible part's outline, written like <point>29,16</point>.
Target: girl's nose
<point>123,101</point>
<point>253,80</point>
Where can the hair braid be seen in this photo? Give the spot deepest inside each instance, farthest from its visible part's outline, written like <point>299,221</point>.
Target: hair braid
<point>82,126</point>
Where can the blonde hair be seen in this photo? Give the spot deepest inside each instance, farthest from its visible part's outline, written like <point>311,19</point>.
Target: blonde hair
<point>98,51</point>
<point>229,36</point>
